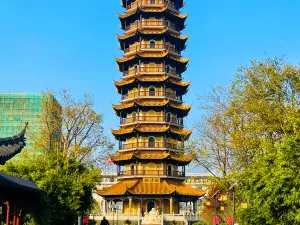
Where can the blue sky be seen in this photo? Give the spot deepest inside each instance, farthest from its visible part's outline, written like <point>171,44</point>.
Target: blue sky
<point>51,45</point>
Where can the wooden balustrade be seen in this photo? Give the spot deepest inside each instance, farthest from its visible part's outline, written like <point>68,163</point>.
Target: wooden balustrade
<point>152,145</point>
<point>151,69</point>
<point>134,5</point>
<point>139,94</point>
<point>151,23</point>
<point>152,173</point>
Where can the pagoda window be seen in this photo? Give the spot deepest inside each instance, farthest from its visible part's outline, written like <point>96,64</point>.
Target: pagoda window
<point>169,116</point>
<point>152,44</point>
<point>152,21</point>
<point>132,169</point>
<point>151,91</point>
<point>133,116</point>
<point>168,68</point>
<point>151,169</point>
<point>135,67</point>
<point>152,67</point>
<point>151,142</point>
<point>169,170</point>
<point>150,206</point>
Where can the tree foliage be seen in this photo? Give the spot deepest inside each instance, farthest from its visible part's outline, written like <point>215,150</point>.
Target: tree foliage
<point>70,143</point>
<point>249,133</point>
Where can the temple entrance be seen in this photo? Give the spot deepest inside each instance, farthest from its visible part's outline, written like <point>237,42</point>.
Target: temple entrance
<point>150,205</point>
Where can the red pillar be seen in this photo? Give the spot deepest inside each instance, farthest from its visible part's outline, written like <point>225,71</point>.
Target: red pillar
<point>15,214</point>
<point>7,212</point>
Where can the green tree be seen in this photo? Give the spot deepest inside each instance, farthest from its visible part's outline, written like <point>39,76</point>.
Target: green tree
<point>70,144</point>
<point>243,124</point>
<point>271,185</point>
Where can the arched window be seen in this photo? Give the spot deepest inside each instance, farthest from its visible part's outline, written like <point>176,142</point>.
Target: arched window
<point>168,23</point>
<point>151,116</point>
<point>168,117</point>
<point>168,68</point>
<point>133,116</point>
<point>152,44</point>
<point>152,67</point>
<point>150,206</point>
<point>152,1</point>
<point>151,142</point>
<point>135,67</point>
<point>151,91</point>
<point>169,170</point>
<point>131,169</point>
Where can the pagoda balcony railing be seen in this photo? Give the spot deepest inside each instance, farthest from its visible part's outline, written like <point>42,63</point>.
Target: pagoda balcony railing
<point>152,47</point>
<point>177,121</point>
<point>152,23</point>
<point>151,173</point>
<point>158,3</point>
<point>150,94</point>
<point>151,70</point>
<point>152,145</point>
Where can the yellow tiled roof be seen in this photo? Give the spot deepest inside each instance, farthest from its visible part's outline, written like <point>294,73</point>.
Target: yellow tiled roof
<point>127,14</point>
<point>152,129</point>
<point>151,78</point>
<point>150,155</point>
<point>139,187</point>
<point>154,103</point>
<point>144,31</point>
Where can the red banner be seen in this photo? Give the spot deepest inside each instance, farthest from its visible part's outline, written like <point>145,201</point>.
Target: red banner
<point>216,220</point>
<point>86,220</point>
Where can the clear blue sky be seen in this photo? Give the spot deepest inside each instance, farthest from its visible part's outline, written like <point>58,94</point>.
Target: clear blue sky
<point>51,45</point>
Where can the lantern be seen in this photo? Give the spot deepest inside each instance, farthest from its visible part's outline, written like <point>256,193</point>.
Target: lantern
<point>244,205</point>
<point>224,198</point>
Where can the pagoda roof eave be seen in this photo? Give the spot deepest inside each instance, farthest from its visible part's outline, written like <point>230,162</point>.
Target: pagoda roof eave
<point>141,187</point>
<point>156,79</point>
<point>183,61</point>
<point>185,134</point>
<point>179,2</point>
<point>162,32</point>
<point>11,146</point>
<point>165,102</point>
<point>150,155</point>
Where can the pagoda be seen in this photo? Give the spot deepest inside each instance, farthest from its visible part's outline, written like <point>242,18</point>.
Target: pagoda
<point>151,161</point>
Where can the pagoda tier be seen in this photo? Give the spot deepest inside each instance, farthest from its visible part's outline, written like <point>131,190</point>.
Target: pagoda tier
<point>151,160</point>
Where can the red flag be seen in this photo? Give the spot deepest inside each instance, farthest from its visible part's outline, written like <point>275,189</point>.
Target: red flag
<point>216,220</point>
<point>229,220</point>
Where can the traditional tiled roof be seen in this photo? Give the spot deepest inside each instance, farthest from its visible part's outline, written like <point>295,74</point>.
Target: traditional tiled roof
<point>163,9</point>
<point>152,129</point>
<point>151,55</point>
<point>154,155</point>
<point>151,78</point>
<point>11,146</point>
<point>145,31</point>
<point>9,181</point>
<point>139,187</point>
<point>153,103</point>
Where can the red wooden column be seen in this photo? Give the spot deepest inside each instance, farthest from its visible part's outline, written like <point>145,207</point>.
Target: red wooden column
<point>7,212</point>
<point>15,214</point>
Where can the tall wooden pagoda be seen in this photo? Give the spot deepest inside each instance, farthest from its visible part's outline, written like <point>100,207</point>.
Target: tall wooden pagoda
<point>151,161</point>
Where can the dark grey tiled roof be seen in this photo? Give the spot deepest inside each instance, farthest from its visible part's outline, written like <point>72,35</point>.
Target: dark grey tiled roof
<point>11,146</point>
<point>15,182</point>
